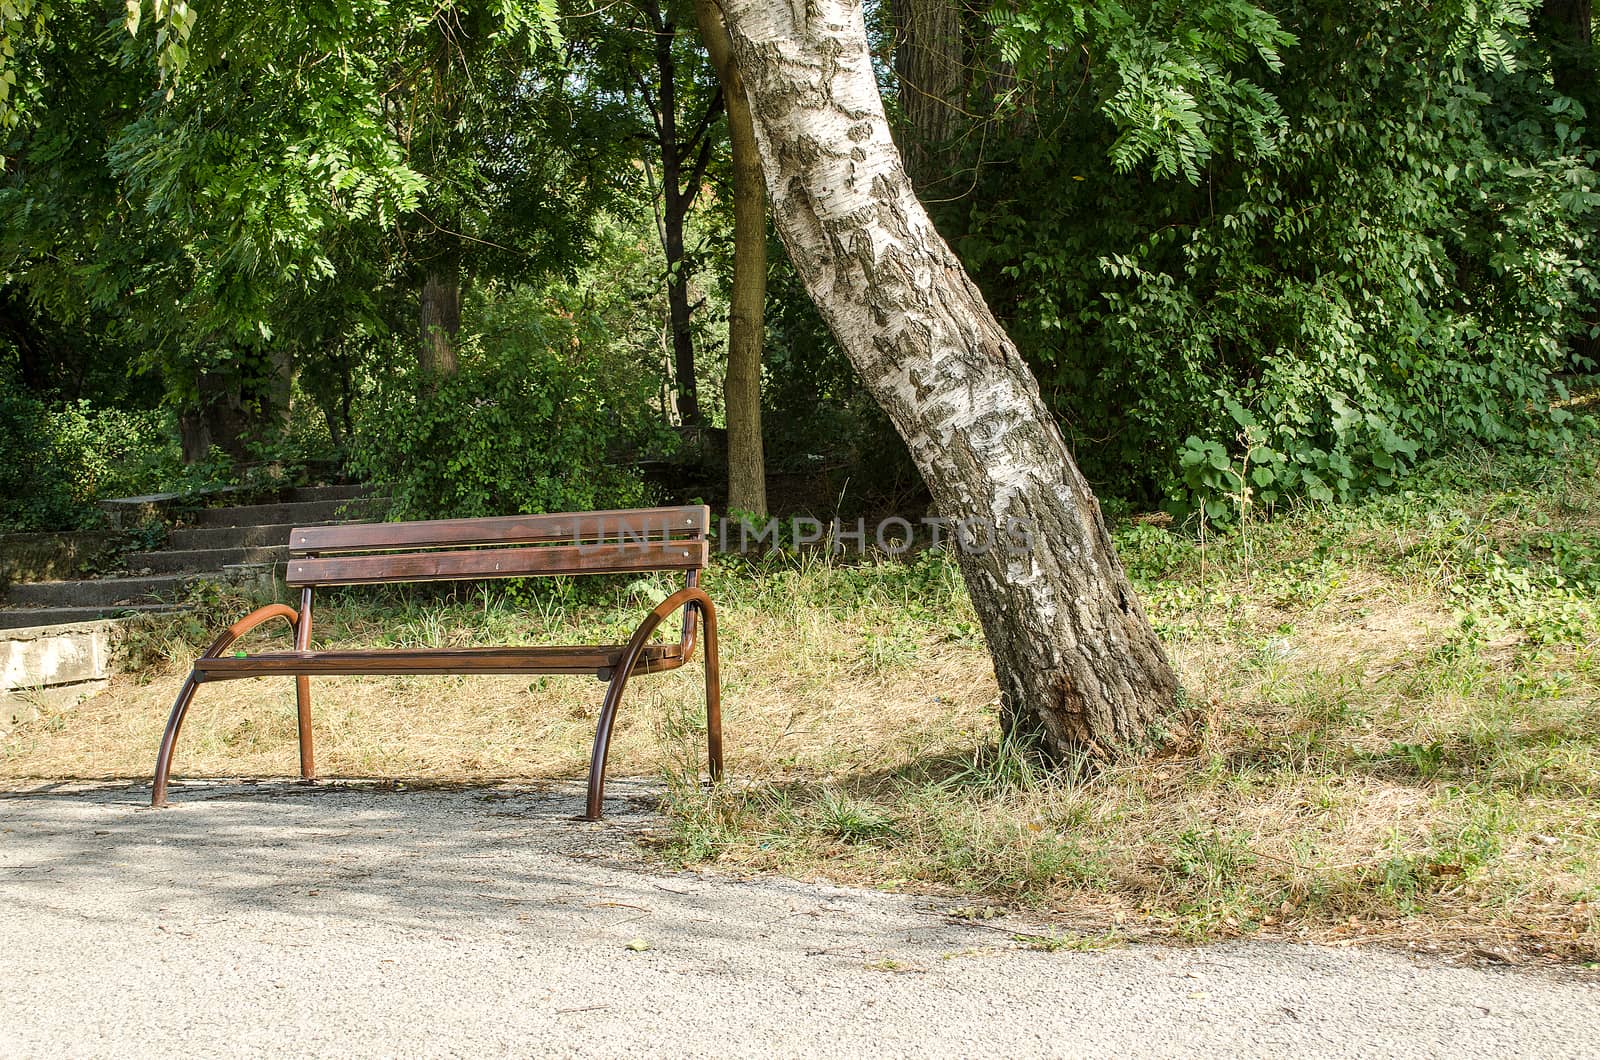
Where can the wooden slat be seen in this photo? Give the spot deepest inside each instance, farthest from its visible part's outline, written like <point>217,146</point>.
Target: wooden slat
<point>497,563</point>
<point>622,525</point>
<point>423,661</point>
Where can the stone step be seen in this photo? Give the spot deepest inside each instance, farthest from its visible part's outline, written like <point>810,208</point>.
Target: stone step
<point>26,617</point>
<point>326,493</point>
<point>131,511</point>
<point>58,654</point>
<point>262,535</point>
<point>173,561</point>
<point>103,593</point>
<point>298,513</point>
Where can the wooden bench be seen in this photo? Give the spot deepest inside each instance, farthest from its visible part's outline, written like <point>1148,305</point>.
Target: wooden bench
<point>516,546</point>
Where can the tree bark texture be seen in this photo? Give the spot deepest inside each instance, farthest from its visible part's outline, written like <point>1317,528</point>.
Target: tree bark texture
<point>440,319</point>
<point>747,469</point>
<point>221,418</point>
<point>679,310</point>
<point>929,68</point>
<point>1077,661</point>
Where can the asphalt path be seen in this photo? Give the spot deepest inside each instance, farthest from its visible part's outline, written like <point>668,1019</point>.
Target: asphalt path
<point>280,920</point>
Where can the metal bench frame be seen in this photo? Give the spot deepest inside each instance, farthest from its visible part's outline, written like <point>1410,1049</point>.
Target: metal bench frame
<point>628,541</point>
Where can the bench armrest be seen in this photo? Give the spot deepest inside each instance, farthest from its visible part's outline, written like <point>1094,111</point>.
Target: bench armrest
<point>249,622</point>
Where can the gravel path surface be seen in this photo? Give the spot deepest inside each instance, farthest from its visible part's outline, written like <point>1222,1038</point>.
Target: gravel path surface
<point>282,920</point>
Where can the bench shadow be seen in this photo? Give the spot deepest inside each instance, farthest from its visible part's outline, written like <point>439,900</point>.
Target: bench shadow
<point>512,860</point>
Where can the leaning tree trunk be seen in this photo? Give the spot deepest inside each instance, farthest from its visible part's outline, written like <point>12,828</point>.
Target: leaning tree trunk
<point>747,469</point>
<point>1077,661</point>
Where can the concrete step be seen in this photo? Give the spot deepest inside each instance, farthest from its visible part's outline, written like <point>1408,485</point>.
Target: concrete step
<point>263,535</point>
<point>326,493</point>
<point>297,513</point>
<point>27,617</point>
<point>99,592</point>
<point>174,561</point>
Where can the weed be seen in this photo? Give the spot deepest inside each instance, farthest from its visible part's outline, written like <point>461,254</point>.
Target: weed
<point>853,820</point>
<point>1422,760</point>
<point>1070,942</point>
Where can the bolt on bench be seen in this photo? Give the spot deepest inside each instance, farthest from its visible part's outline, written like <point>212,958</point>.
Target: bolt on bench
<point>516,546</point>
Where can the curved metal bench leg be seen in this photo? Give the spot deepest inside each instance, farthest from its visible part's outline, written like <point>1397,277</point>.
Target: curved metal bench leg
<point>713,695</point>
<point>180,707</point>
<point>302,690</point>
<point>687,597</point>
<point>602,743</point>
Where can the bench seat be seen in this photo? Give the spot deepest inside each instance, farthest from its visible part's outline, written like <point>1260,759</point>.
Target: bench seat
<point>598,660</point>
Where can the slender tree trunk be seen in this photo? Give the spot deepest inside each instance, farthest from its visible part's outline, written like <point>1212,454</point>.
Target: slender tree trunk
<point>335,428</point>
<point>1077,661</point>
<point>440,319</point>
<point>931,76</point>
<point>678,308</point>
<point>675,203</point>
<point>683,167</point>
<point>747,469</point>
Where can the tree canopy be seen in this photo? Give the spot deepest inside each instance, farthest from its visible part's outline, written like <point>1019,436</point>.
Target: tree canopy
<point>1279,252</point>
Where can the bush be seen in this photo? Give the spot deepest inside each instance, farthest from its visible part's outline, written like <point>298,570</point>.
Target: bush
<point>57,459</point>
<point>532,422</point>
<point>1383,258</point>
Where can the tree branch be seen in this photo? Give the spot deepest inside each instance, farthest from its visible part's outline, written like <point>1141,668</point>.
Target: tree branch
<point>713,108</point>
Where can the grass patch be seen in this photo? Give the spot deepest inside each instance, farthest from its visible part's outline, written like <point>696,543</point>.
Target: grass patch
<point>1402,738</point>
<point>1404,712</point>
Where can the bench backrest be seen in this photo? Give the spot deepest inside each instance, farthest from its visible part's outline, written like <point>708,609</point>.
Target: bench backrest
<point>511,546</point>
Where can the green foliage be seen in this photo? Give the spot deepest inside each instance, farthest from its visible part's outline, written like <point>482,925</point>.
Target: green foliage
<point>57,458</point>
<point>1257,254</point>
<point>1175,81</point>
<point>298,173</point>
<point>532,422</point>
<point>816,413</point>
<point>1261,258</point>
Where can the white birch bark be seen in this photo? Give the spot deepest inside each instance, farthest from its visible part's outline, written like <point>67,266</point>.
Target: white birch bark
<point>1076,659</point>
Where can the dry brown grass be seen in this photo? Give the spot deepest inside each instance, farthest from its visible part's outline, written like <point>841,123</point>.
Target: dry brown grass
<point>1292,814</point>
<point>1401,742</point>
<point>802,688</point>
